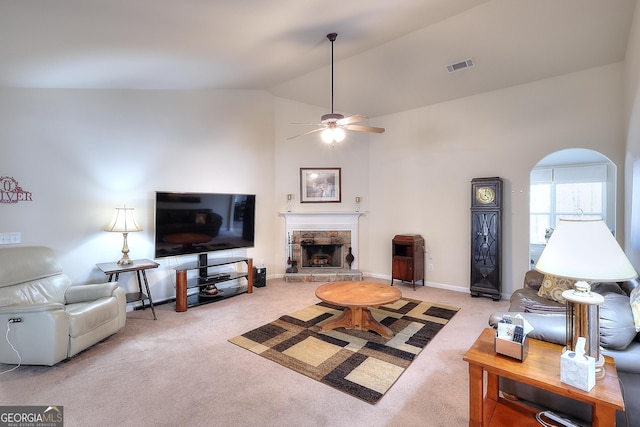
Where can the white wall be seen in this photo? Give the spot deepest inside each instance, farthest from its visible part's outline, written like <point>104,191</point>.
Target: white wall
<point>417,176</point>
<point>82,153</point>
<point>352,156</point>
<point>424,163</point>
<point>632,159</point>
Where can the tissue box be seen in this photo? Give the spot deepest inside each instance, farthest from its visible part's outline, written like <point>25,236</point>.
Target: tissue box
<point>511,348</point>
<point>578,370</point>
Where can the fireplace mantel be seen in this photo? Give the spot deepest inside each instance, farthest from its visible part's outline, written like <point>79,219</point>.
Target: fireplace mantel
<point>338,214</point>
<point>326,221</point>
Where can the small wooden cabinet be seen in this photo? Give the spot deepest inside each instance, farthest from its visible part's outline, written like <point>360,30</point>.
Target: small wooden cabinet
<point>407,262</point>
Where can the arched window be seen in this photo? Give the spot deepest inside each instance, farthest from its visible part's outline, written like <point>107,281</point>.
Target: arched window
<point>567,184</point>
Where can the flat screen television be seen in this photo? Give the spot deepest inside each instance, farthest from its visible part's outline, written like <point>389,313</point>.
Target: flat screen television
<point>196,223</point>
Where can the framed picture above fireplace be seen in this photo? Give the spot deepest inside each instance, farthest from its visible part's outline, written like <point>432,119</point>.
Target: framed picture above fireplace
<point>320,185</point>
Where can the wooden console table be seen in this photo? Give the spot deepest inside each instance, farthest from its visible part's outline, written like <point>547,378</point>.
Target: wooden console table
<point>541,369</point>
<point>139,267</point>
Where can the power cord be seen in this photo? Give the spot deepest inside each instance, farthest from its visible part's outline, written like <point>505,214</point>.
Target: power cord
<point>172,276</point>
<point>541,421</point>
<point>555,418</point>
<point>566,422</point>
<point>14,349</point>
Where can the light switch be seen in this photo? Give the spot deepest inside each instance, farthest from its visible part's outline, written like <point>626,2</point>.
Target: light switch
<point>12,238</point>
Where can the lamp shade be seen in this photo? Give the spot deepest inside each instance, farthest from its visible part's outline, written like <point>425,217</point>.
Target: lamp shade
<point>585,249</point>
<point>123,221</point>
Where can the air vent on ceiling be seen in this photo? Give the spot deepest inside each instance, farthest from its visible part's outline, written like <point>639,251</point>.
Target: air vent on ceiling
<point>460,65</point>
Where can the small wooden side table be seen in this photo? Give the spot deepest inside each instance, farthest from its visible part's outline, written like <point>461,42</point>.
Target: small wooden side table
<point>541,369</point>
<point>139,266</point>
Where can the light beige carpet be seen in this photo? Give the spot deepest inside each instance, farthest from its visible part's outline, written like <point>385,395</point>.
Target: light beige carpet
<point>180,370</point>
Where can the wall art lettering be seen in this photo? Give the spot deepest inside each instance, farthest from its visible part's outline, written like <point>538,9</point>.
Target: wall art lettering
<point>11,192</point>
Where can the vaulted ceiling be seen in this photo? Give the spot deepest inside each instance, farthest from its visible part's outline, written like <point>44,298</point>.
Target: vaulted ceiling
<point>390,56</point>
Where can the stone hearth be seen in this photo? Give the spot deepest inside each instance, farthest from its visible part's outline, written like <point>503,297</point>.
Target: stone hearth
<point>323,275</point>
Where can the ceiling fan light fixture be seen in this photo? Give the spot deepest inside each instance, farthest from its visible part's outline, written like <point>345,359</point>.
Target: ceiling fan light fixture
<point>327,135</point>
<point>333,117</point>
<point>333,135</point>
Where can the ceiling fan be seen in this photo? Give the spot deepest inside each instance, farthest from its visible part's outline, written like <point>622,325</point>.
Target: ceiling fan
<point>333,125</point>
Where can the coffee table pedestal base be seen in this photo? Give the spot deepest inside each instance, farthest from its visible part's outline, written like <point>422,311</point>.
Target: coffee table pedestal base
<point>358,318</point>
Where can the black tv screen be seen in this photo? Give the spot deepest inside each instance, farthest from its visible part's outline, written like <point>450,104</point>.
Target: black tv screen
<point>194,223</point>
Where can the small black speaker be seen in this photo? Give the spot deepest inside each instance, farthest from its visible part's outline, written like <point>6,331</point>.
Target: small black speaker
<point>259,277</point>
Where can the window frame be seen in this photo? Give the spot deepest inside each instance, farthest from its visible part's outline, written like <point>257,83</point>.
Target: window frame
<point>561,175</point>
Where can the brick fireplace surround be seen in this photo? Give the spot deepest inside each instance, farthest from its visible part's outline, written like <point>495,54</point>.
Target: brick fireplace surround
<point>317,236</point>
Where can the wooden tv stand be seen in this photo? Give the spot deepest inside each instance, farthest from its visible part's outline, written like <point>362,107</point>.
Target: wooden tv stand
<point>204,278</point>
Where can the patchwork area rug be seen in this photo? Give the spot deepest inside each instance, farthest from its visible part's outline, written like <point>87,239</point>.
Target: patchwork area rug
<point>360,363</point>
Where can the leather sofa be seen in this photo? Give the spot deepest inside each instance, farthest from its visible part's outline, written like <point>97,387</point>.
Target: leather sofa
<point>618,339</point>
<point>56,319</point>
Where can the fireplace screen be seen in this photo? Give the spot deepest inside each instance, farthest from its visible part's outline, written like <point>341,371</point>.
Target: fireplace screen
<point>322,256</point>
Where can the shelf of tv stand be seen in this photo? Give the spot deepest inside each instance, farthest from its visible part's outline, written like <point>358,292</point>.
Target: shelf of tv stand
<point>184,283</point>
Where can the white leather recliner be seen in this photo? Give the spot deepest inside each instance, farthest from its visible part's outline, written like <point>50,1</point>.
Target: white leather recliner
<point>55,319</point>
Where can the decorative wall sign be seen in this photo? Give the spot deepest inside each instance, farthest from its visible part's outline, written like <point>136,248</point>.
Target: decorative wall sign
<point>11,192</point>
<point>320,185</point>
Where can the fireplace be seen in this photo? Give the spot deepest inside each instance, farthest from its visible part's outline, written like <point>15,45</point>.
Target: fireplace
<point>321,256</point>
<point>323,244</point>
<point>320,249</point>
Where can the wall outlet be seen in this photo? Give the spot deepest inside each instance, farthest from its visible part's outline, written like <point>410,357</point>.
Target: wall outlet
<point>430,267</point>
<point>10,238</point>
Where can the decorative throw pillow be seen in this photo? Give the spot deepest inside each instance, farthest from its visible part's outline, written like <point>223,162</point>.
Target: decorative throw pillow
<point>634,299</point>
<point>553,286</point>
<point>201,218</point>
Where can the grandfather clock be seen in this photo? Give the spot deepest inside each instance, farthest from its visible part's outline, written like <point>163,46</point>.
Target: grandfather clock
<point>486,237</point>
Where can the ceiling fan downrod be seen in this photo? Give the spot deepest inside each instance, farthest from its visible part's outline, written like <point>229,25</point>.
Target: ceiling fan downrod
<point>332,117</point>
<point>332,37</point>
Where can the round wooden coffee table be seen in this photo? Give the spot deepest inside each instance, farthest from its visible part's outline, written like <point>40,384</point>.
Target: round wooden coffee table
<point>356,298</point>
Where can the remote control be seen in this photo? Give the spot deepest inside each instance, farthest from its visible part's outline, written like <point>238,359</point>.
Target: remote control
<point>518,334</point>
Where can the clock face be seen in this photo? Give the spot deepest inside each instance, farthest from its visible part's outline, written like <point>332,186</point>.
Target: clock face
<point>485,195</point>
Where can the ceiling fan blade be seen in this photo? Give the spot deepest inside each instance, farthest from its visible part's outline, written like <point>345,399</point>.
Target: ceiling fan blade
<point>351,119</point>
<point>306,133</point>
<point>361,128</point>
